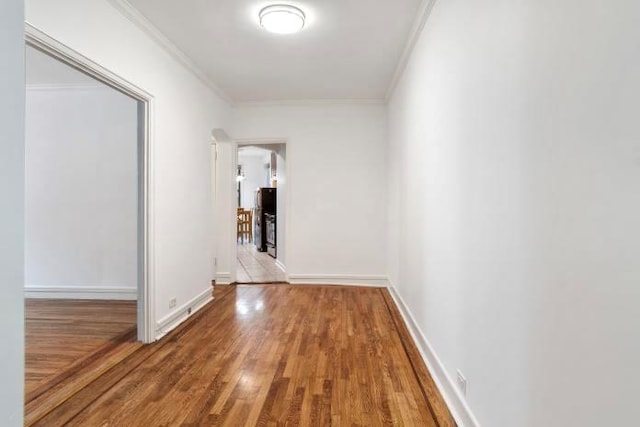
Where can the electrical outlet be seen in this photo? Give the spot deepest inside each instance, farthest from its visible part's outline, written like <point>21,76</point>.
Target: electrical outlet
<point>462,382</point>
<point>172,302</point>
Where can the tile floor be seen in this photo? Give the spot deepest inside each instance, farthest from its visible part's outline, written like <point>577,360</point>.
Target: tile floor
<point>257,267</point>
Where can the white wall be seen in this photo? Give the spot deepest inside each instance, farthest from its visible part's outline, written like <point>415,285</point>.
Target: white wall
<point>81,193</point>
<point>336,186</point>
<point>255,177</point>
<point>185,112</point>
<point>11,212</point>
<point>515,198</point>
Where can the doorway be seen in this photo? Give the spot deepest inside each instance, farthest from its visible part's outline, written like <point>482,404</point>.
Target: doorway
<point>87,259</point>
<point>261,188</point>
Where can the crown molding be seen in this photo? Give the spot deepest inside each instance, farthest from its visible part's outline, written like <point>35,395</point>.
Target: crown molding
<point>138,19</point>
<point>309,102</point>
<point>424,12</point>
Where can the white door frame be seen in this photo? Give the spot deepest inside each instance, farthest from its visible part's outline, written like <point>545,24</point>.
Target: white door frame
<point>214,204</point>
<point>222,212</point>
<point>146,285</point>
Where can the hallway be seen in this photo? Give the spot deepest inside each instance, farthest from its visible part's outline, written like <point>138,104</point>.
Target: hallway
<point>267,355</point>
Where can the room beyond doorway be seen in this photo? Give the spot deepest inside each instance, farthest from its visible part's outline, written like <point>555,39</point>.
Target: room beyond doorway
<point>261,191</point>
<point>85,74</point>
<point>82,225</point>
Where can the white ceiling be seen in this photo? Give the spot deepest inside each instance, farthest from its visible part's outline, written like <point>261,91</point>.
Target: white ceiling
<point>42,69</point>
<point>349,49</point>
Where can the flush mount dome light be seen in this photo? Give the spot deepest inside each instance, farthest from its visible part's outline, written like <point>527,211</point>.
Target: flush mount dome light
<point>282,19</point>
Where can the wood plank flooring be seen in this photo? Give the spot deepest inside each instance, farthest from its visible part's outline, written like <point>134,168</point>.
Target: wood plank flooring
<point>269,355</point>
<point>59,333</point>
<point>257,267</point>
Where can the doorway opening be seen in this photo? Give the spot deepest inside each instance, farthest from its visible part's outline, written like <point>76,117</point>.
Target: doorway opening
<point>87,261</point>
<point>261,187</point>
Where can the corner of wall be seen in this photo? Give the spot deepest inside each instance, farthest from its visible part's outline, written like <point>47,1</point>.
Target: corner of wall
<point>182,313</point>
<point>456,403</point>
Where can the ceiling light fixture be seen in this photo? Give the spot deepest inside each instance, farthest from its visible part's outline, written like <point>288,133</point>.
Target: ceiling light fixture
<point>282,19</point>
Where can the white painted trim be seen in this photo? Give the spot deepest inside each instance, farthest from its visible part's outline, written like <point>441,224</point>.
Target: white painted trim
<point>147,291</point>
<point>243,142</point>
<point>223,278</point>
<point>46,87</point>
<point>233,216</point>
<point>280,265</point>
<point>213,157</point>
<point>146,286</point>
<point>225,219</point>
<point>455,401</point>
<point>81,292</point>
<point>339,279</point>
<point>309,102</point>
<point>424,11</point>
<point>180,314</point>
<point>288,205</point>
<point>139,20</point>
<point>53,47</point>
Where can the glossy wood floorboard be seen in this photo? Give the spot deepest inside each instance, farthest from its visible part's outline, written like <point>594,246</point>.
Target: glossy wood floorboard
<point>59,333</point>
<point>267,355</point>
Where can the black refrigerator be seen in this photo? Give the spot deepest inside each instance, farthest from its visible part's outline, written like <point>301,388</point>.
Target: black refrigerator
<point>265,221</point>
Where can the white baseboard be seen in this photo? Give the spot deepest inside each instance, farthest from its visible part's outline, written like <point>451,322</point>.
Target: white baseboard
<point>338,279</point>
<point>281,266</point>
<point>223,278</point>
<point>180,314</point>
<point>454,400</point>
<point>81,292</point>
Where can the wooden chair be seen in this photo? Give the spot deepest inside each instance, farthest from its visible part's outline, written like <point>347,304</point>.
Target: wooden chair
<point>245,225</point>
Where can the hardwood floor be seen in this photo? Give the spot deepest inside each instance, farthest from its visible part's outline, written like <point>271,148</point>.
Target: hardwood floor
<point>61,332</point>
<point>269,355</point>
<point>66,344</point>
<point>257,267</point>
